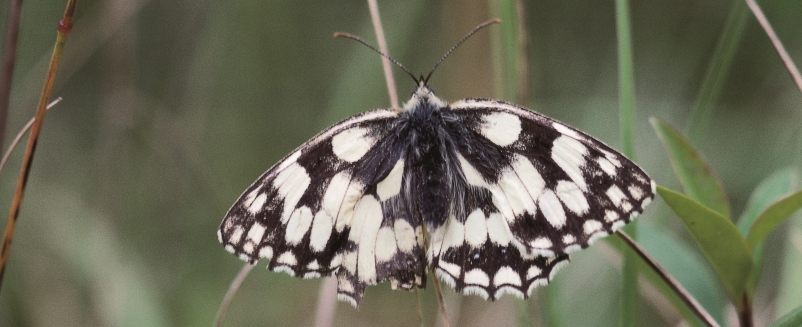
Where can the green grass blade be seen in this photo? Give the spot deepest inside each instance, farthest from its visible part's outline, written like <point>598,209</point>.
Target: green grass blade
<point>719,239</point>
<point>792,319</point>
<point>773,217</point>
<point>694,174</point>
<point>505,50</point>
<point>717,70</point>
<point>630,299</point>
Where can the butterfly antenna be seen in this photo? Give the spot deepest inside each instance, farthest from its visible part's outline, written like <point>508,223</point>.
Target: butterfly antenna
<point>472,32</point>
<point>360,40</point>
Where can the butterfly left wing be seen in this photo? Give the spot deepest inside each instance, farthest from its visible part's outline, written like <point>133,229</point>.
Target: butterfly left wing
<point>332,206</point>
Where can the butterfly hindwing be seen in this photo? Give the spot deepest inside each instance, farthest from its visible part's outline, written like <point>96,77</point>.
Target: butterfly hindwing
<point>557,188</point>
<point>477,254</point>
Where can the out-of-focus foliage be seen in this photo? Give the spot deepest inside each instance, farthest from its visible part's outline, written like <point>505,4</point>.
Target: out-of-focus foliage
<point>172,108</point>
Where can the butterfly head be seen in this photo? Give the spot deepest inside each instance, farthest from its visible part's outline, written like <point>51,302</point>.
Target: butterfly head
<point>423,95</point>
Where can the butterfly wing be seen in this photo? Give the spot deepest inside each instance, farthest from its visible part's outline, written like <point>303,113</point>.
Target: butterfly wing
<point>331,206</point>
<point>559,189</point>
<point>535,190</point>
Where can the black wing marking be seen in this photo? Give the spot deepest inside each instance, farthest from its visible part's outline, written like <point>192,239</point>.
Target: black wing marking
<point>558,188</point>
<point>477,253</point>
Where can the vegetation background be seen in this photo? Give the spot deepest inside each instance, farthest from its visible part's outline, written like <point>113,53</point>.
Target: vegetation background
<point>172,108</point>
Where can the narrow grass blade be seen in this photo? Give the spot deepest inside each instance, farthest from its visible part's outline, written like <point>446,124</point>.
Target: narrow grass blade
<point>694,174</point>
<point>719,239</point>
<point>717,70</point>
<point>630,300</point>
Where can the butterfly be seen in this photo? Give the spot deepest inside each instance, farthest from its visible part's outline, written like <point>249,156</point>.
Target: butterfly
<point>490,195</point>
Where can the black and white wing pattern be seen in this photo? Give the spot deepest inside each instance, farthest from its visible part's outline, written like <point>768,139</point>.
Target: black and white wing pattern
<point>489,194</point>
<point>328,207</point>
<point>536,190</point>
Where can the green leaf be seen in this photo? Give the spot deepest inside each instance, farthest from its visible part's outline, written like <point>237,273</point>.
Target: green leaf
<point>694,174</point>
<point>719,239</point>
<point>792,319</point>
<point>770,190</point>
<point>773,217</point>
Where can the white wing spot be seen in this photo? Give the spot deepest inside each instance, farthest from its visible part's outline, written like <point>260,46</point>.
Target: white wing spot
<point>616,195</point>
<point>256,232</point>
<point>476,228</point>
<point>501,128</point>
<point>351,144</point>
<point>569,154</point>
<point>606,166</point>
<point>497,230</point>
<point>572,197</point>
<point>472,176</point>
<point>591,226</point>
<point>450,268</point>
<point>349,262</point>
<point>391,185</point>
<point>367,221</point>
<point>385,244</point>
<point>321,231</point>
<point>298,225</point>
<point>533,272</point>
<point>287,258</point>
<point>636,192</point>
<point>610,215</point>
<point>257,203</point>
<point>404,235</point>
<point>568,239</point>
<point>541,243</point>
<point>314,265</point>
<point>291,184</point>
<point>645,202</point>
<point>455,233</point>
<point>517,196</point>
<point>477,277</point>
<point>506,276</point>
<point>266,252</point>
<point>236,235</point>
<point>552,209</point>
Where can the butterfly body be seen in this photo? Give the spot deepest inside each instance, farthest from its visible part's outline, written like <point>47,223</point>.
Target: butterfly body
<point>503,194</point>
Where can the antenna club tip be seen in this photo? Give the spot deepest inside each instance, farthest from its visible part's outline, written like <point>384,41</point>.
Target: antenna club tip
<point>495,21</point>
<point>338,34</point>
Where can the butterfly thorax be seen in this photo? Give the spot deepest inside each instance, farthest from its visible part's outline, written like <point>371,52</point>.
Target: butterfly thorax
<point>429,152</point>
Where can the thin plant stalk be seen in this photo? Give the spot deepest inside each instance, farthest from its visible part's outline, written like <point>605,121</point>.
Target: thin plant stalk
<point>764,23</point>
<point>64,28</point>
<point>386,65</point>
<point>21,133</point>
<point>326,302</point>
<point>672,283</point>
<point>235,284</point>
<point>9,58</point>
<point>439,291</point>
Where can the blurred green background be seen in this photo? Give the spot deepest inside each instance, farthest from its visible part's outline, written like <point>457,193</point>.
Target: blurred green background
<point>172,108</point>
